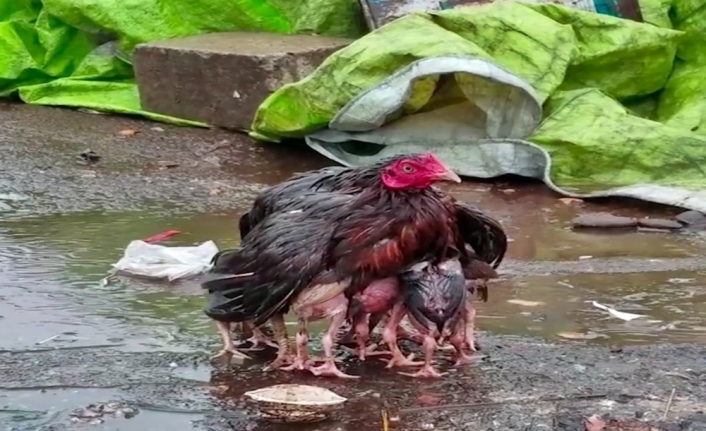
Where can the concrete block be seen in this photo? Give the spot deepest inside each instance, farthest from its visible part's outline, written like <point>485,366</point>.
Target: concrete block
<point>221,78</point>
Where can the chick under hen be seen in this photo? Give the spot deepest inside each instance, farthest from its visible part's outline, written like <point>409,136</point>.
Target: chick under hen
<point>434,309</point>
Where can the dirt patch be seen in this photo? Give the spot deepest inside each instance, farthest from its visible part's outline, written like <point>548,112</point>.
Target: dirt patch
<point>518,385</point>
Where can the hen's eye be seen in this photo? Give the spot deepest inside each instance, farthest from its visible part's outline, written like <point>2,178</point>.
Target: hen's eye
<point>408,168</point>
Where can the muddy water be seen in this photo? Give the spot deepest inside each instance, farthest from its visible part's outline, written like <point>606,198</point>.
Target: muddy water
<point>52,267</point>
<point>52,297</point>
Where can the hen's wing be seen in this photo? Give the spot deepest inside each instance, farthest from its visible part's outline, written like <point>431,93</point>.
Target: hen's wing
<point>285,195</point>
<point>285,253</point>
<point>382,238</point>
<point>484,234</point>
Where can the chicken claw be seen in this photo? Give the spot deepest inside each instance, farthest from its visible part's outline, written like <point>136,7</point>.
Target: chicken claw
<point>427,371</point>
<point>229,351</point>
<point>399,360</point>
<point>329,369</point>
<point>283,347</point>
<point>257,339</point>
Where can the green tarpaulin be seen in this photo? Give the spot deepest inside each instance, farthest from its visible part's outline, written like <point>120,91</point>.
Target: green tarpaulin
<point>77,52</point>
<point>586,102</point>
<point>622,102</point>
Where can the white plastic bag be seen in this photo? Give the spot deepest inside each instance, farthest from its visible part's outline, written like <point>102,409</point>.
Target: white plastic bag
<point>172,263</point>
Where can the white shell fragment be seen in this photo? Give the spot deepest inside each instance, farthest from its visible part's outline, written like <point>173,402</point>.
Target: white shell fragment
<point>294,403</point>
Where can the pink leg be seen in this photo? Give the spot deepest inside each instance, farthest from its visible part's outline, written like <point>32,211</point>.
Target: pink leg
<point>329,368</point>
<point>362,333</point>
<point>258,338</point>
<point>302,361</point>
<point>428,369</point>
<point>283,351</point>
<point>470,319</point>
<point>229,351</point>
<point>389,336</point>
<point>457,340</point>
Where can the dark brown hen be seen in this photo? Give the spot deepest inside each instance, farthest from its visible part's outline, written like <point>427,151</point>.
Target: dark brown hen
<point>332,246</point>
<point>482,234</point>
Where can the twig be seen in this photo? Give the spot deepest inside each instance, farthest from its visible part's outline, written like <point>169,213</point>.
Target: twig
<point>669,404</point>
<point>500,403</point>
<point>385,424</point>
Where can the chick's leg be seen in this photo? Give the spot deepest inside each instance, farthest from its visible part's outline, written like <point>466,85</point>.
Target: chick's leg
<point>229,351</point>
<point>301,361</point>
<point>458,340</point>
<point>280,335</point>
<point>389,336</point>
<point>257,339</point>
<point>428,369</point>
<point>470,318</point>
<point>329,367</point>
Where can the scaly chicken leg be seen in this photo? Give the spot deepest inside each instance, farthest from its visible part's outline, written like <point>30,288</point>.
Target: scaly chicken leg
<point>258,338</point>
<point>469,319</point>
<point>329,367</point>
<point>301,361</point>
<point>229,350</point>
<point>389,336</point>
<point>282,339</point>
<point>428,369</point>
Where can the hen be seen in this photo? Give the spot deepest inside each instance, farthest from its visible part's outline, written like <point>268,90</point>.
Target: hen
<point>332,247</point>
<point>486,242</point>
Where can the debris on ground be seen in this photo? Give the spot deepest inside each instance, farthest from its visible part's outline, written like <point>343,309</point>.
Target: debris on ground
<point>157,261</point>
<point>295,403</point>
<point>619,314</point>
<point>659,223</point>
<point>96,413</point>
<point>166,164</point>
<point>692,219</point>
<point>128,132</point>
<point>162,236</point>
<point>89,156</point>
<point>610,221</point>
<point>603,220</point>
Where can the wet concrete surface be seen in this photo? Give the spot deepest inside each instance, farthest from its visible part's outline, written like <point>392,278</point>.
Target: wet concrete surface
<point>67,341</point>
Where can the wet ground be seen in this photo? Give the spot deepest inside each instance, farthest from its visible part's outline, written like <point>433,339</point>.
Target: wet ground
<point>67,340</point>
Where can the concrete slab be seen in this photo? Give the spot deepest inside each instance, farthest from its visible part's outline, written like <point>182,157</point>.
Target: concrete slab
<point>222,78</point>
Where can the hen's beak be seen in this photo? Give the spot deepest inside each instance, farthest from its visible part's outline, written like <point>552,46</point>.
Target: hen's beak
<point>448,175</point>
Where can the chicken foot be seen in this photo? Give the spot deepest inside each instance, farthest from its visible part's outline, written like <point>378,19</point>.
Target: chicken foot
<point>389,336</point>
<point>428,369</point>
<point>284,355</point>
<point>470,319</point>
<point>301,361</point>
<point>329,368</point>
<point>257,339</point>
<point>229,350</point>
<point>362,327</point>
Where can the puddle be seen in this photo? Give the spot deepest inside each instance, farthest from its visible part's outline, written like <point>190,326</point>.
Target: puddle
<point>51,269</point>
<point>36,409</point>
<point>673,305</point>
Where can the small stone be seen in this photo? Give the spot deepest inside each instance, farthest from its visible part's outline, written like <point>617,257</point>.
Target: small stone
<point>603,220</point>
<point>173,365</point>
<point>659,223</point>
<point>166,164</point>
<point>694,219</point>
<point>639,414</point>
